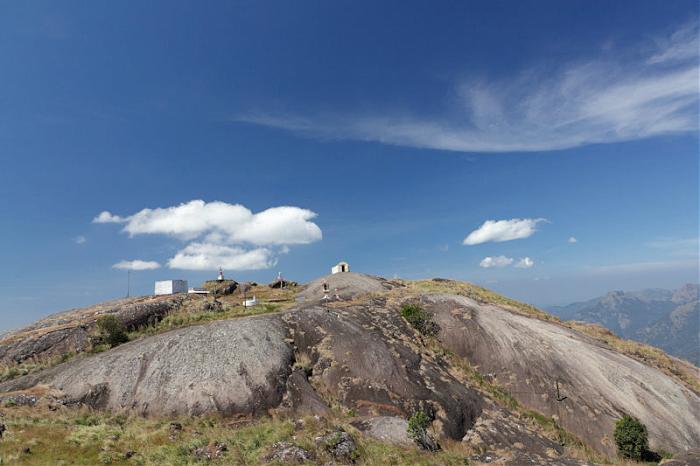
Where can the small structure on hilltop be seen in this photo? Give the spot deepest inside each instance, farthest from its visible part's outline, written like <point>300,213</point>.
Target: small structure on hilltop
<point>166,287</point>
<point>220,278</point>
<point>280,282</point>
<point>220,287</point>
<point>250,302</point>
<point>340,267</point>
<point>197,291</point>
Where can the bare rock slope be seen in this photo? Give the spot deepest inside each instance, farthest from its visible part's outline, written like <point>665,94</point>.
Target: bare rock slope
<point>345,285</point>
<point>597,385</point>
<point>361,354</point>
<point>232,367</point>
<point>68,332</point>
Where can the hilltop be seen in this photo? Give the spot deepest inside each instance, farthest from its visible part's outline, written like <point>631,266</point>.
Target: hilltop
<point>499,381</point>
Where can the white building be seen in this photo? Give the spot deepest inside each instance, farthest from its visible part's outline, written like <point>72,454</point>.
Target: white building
<point>171,287</point>
<point>250,302</point>
<point>197,291</point>
<point>340,267</point>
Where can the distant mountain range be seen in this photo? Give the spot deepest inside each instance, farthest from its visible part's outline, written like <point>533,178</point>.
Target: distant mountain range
<point>668,319</point>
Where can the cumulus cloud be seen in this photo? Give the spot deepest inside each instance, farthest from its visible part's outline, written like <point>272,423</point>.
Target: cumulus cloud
<point>207,256</point>
<point>222,234</point>
<point>107,217</point>
<point>525,263</point>
<point>136,265</point>
<point>224,222</point>
<point>646,92</point>
<point>503,230</point>
<point>80,239</point>
<point>499,261</point>
<point>572,240</point>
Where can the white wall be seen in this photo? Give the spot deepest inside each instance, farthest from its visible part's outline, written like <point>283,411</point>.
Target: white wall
<point>171,287</point>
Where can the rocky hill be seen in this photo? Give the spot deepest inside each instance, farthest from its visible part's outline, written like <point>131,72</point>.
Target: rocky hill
<point>668,319</point>
<point>501,382</point>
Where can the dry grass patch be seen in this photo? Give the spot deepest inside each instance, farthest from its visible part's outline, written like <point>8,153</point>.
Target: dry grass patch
<point>88,438</point>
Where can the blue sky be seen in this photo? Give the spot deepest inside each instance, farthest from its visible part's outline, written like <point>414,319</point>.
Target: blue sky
<point>390,132</point>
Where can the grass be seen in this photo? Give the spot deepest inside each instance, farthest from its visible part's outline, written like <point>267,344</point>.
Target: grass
<point>185,318</point>
<point>81,437</point>
<point>12,371</point>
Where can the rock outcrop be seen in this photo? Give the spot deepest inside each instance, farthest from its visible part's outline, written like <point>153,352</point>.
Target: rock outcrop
<point>388,429</point>
<point>529,357</point>
<point>69,332</point>
<point>347,285</point>
<point>235,367</point>
<point>362,355</point>
<point>220,287</point>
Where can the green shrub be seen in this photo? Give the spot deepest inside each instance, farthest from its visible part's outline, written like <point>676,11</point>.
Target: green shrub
<point>631,438</point>
<point>418,425</point>
<point>112,330</point>
<point>418,431</point>
<point>419,319</point>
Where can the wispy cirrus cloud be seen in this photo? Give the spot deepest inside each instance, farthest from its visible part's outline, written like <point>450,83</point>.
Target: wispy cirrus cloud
<point>583,102</point>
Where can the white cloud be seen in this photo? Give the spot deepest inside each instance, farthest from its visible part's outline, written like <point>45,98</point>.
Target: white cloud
<point>225,222</point>
<point>503,230</point>
<point>572,240</point>
<point>586,102</point>
<point>80,239</point>
<point>499,261</point>
<point>525,263</point>
<point>107,217</point>
<point>136,265</point>
<point>207,256</point>
<point>223,235</point>
<point>679,46</point>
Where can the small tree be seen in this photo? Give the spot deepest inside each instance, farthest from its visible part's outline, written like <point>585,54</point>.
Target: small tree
<point>631,438</point>
<point>419,319</point>
<point>418,431</point>
<point>112,330</point>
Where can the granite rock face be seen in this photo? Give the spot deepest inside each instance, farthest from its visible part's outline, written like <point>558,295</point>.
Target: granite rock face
<point>362,355</point>
<point>346,285</point>
<point>234,367</point>
<point>69,332</point>
<point>597,385</point>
